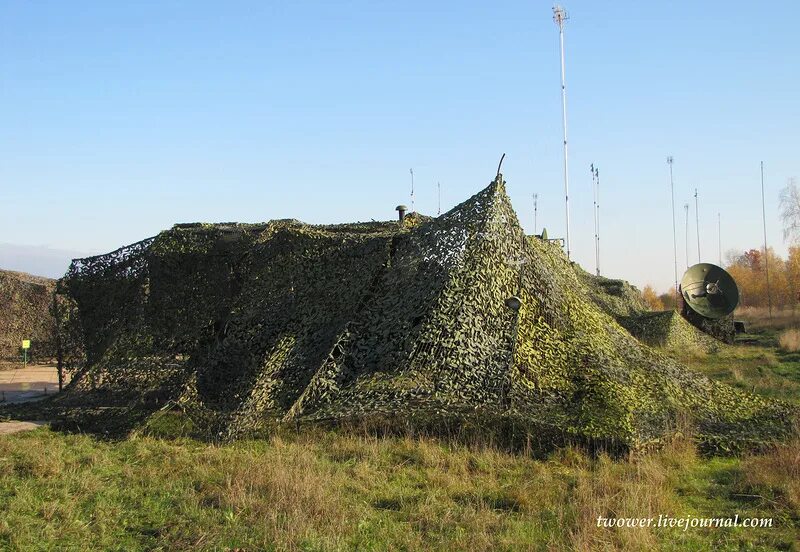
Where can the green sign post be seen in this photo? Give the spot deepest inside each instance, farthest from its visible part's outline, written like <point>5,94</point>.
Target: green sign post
<point>26,344</point>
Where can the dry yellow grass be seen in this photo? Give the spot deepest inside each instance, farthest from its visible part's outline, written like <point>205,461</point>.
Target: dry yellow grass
<point>776,476</point>
<point>758,318</point>
<point>789,340</point>
<point>641,487</point>
<point>329,491</point>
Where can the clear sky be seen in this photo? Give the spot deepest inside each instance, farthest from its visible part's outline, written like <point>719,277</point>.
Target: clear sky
<point>118,119</point>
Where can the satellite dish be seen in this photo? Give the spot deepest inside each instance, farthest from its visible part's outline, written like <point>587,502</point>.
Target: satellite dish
<point>709,291</point>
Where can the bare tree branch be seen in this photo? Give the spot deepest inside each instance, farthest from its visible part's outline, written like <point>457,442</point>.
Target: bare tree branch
<point>790,211</point>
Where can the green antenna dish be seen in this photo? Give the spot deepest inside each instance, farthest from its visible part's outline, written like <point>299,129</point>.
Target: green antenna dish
<point>709,291</point>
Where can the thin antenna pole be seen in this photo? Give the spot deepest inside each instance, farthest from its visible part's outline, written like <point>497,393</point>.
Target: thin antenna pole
<point>719,236</point>
<point>766,251</point>
<point>594,213</point>
<point>439,193</point>
<point>674,239</point>
<point>412,189</point>
<point>597,223</point>
<point>560,16</point>
<point>686,217</point>
<point>535,213</point>
<point>697,221</point>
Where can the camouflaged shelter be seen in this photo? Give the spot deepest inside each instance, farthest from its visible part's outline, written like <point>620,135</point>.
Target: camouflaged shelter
<point>25,303</point>
<point>245,325</point>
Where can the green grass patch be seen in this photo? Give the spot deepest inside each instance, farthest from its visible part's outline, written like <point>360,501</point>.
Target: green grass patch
<point>753,364</point>
<point>327,490</point>
<point>335,491</point>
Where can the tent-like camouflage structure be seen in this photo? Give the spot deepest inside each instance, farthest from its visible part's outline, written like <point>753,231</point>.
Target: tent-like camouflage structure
<point>245,325</point>
<point>25,304</point>
<point>664,329</point>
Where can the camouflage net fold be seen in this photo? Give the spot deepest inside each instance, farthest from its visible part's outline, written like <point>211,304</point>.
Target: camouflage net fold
<point>243,326</point>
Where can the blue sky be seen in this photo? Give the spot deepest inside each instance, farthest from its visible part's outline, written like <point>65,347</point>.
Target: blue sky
<point>119,119</point>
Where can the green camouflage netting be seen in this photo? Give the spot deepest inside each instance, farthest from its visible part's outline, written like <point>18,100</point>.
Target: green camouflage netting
<point>665,329</point>
<point>669,330</point>
<point>25,305</point>
<point>245,325</point>
<point>615,297</point>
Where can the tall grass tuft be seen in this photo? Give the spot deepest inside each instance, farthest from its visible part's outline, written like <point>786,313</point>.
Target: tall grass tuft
<point>775,476</point>
<point>789,340</point>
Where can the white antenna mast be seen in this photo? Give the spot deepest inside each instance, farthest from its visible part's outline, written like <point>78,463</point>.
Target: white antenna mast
<point>439,193</point>
<point>560,16</point>
<point>535,211</point>
<point>686,217</point>
<point>412,189</point>
<point>594,209</point>
<point>766,251</point>
<point>674,240</point>
<point>597,219</point>
<point>719,236</point>
<point>697,221</point>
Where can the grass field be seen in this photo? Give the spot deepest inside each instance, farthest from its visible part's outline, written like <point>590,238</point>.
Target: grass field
<point>320,490</point>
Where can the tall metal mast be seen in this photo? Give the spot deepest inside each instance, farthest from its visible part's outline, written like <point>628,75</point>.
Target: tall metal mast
<point>412,189</point>
<point>719,236</point>
<point>560,16</point>
<point>439,193</point>
<point>535,211</point>
<point>686,218</point>
<point>766,251</point>
<point>674,240</point>
<point>597,219</point>
<point>595,207</point>
<point>697,221</point>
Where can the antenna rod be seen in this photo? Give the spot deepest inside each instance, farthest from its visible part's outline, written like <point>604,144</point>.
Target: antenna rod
<point>535,209</point>
<point>766,251</point>
<point>439,193</point>
<point>697,221</point>
<point>594,212</point>
<point>597,219</point>
<point>412,189</point>
<point>499,166</point>
<point>560,16</point>
<point>674,240</point>
<point>686,234</point>
<point>594,209</point>
<point>719,236</point>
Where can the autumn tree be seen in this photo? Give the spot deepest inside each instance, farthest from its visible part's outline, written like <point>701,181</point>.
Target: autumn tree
<point>749,269</point>
<point>668,299</point>
<point>652,299</point>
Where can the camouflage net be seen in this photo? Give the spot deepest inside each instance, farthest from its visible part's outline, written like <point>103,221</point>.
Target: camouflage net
<point>669,330</point>
<point>664,329</point>
<point>615,297</point>
<point>246,325</point>
<point>25,313</point>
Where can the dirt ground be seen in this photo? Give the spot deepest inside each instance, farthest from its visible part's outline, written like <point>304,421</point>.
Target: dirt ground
<point>15,426</point>
<point>17,364</point>
<point>19,384</point>
<point>30,383</point>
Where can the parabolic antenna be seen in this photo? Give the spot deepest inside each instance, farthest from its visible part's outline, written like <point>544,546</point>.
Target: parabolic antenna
<point>709,291</point>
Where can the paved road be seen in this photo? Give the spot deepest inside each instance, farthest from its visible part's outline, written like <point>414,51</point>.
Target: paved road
<point>26,384</point>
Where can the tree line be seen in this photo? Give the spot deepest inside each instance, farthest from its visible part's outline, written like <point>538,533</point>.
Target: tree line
<point>752,268</point>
